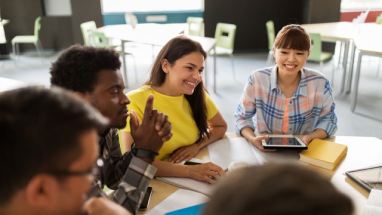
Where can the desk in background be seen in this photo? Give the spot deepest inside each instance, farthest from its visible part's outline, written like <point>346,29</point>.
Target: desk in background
<point>9,84</point>
<point>3,40</point>
<point>155,35</point>
<point>362,152</point>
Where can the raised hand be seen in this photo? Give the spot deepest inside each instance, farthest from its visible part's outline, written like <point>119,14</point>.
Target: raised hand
<point>153,130</point>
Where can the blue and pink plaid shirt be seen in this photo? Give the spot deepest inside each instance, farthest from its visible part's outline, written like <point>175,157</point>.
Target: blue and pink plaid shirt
<point>265,109</point>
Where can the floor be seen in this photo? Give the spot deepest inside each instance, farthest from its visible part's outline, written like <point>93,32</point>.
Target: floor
<point>35,70</point>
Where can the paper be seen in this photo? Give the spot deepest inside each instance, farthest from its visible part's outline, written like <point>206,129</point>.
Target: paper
<point>373,205</point>
<point>190,184</point>
<point>178,200</point>
<point>229,150</point>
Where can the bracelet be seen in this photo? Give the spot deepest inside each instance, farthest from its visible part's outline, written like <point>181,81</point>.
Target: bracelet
<point>143,153</point>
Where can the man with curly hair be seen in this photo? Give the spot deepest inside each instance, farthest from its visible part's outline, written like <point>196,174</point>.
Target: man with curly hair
<point>93,74</point>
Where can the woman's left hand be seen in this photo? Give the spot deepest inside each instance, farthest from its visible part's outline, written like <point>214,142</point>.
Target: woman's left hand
<point>306,138</point>
<point>185,153</point>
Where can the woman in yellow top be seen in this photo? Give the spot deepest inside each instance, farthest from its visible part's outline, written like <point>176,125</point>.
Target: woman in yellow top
<point>177,87</point>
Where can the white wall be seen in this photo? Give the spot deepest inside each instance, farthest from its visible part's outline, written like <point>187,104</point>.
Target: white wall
<point>58,7</point>
<point>109,6</point>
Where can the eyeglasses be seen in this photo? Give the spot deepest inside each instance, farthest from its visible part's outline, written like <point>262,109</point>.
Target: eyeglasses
<point>93,171</point>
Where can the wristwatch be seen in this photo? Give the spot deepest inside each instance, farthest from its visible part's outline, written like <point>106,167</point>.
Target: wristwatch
<point>143,153</point>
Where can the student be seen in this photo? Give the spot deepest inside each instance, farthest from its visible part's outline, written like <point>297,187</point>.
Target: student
<point>274,189</point>
<point>287,98</point>
<point>49,141</point>
<point>93,74</point>
<point>176,84</point>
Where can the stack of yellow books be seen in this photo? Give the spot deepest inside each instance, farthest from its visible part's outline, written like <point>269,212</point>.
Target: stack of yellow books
<point>324,154</point>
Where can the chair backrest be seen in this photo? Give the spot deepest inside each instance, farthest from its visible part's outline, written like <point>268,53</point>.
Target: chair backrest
<point>315,47</point>
<point>98,39</point>
<point>225,35</point>
<point>86,29</point>
<point>37,26</point>
<point>271,33</point>
<point>195,26</point>
<point>131,19</point>
<point>379,19</point>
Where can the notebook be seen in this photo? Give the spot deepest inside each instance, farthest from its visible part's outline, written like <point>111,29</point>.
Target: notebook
<point>193,210</point>
<point>323,153</point>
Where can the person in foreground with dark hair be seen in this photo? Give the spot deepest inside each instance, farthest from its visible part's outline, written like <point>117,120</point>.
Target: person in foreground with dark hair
<point>50,150</point>
<point>93,74</point>
<point>176,83</point>
<point>275,189</point>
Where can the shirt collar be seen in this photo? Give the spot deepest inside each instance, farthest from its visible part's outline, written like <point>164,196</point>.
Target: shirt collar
<point>301,89</point>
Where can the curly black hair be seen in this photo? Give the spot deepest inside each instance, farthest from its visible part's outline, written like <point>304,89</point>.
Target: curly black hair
<point>77,67</point>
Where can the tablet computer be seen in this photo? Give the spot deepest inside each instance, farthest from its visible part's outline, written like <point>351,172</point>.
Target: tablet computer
<point>283,142</point>
<point>369,178</point>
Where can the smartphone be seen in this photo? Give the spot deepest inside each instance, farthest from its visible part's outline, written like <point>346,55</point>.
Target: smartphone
<point>191,163</point>
<point>146,198</point>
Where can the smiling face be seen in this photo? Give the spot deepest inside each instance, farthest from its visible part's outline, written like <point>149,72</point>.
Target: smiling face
<point>290,61</point>
<point>184,74</point>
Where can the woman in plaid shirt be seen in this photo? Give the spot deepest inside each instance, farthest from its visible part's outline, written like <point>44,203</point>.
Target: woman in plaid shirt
<point>287,98</point>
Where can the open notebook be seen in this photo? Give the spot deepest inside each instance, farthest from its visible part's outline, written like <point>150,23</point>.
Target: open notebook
<point>223,153</point>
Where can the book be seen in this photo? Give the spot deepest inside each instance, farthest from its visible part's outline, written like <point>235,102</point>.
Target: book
<point>193,210</point>
<point>324,154</point>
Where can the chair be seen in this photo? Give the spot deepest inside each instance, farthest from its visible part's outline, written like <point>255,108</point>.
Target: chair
<point>99,39</point>
<point>271,39</point>
<point>225,37</point>
<point>34,39</point>
<point>86,29</point>
<point>316,53</point>
<point>379,19</point>
<point>131,19</point>
<point>195,26</point>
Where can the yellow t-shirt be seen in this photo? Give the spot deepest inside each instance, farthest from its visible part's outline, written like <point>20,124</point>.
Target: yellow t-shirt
<point>184,129</point>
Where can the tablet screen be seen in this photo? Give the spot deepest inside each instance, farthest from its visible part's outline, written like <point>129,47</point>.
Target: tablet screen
<point>284,142</point>
<point>370,178</point>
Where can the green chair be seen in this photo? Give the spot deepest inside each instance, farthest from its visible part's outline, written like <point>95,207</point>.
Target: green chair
<point>195,26</point>
<point>379,19</point>
<point>99,39</point>
<point>225,38</point>
<point>316,53</point>
<point>271,39</point>
<point>86,29</point>
<point>34,39</point>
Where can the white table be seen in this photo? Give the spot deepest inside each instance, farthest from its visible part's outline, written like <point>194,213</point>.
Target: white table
<point>9,84</point>
<point>368,42</point>
<point>154,35</point>
<point>362,152</point>
<point>332,32</point>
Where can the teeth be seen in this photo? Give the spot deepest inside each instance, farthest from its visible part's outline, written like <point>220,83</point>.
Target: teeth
<point>190,83</point>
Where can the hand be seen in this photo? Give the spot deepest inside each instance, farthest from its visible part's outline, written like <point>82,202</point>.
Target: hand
<point>103,206</point>
<point>163,127</point>
<point>256,141</point>
<point>207,172</point>
<point>146,135</point>
<point>306,138</point>
<point>185,153</point>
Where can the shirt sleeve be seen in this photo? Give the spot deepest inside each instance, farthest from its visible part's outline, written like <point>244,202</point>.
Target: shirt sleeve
<point>127,174</point>
<point>327,119</point>
<point>246,109</point>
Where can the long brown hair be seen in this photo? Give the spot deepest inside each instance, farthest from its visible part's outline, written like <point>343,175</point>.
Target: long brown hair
<point>175,49</point>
